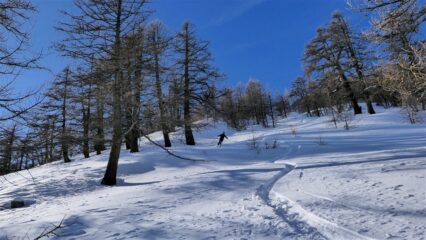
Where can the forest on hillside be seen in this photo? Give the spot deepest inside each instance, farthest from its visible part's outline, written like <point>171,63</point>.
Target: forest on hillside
<point>133,76</point>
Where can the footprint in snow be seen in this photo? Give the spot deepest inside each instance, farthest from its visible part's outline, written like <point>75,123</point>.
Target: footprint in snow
<point>375,184</point>
<point>390,236</point>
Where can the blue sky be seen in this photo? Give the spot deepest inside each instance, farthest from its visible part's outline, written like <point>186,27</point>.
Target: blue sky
<point>260,39</point>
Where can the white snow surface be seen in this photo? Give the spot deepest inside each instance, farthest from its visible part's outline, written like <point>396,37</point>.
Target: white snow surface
<point>368,182</point>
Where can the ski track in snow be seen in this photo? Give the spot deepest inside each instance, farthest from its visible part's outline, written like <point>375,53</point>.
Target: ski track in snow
<point>303,222</point>
<point>244,194</point>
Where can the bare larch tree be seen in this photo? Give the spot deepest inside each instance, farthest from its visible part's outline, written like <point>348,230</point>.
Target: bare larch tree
<point>198,74</point>
<point>97,31</point>
<point>158,44</point>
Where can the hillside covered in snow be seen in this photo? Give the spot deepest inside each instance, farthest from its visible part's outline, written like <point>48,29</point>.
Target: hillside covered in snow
<point>304,179</point>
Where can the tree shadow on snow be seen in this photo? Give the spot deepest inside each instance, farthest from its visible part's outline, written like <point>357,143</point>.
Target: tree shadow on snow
<point>384,159</point>
<point>222,180</point>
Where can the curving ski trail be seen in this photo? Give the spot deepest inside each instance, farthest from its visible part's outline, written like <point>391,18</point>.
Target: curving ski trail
<point>304,223</point>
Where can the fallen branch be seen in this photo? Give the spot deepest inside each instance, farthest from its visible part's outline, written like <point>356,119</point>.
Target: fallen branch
<point>8,181</point>
<point>20,174</point>
<point>47,233</point>
<point>31,175</point>
<point>169,152</point>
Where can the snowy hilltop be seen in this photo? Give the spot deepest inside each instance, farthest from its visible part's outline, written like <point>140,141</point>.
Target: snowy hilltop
<point>303,179</point>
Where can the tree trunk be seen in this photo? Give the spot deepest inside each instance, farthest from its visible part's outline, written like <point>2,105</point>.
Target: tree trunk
<point>357,65</point>
<point>317,111</point>
<point>134,146</point>
<point>187,96</point>
<point>110,177</point>
<point>128,140</point>
<point>64,136</point>
<point>65,153</point>
<point>127,101</point>
<point>350,93</point>
<point>352,98</point>
<point>308,109</point>
<point>86,130</point>
<point>369,103</point>
<point>51,138</point>
<point>99,143</point>
<point>284,107</point>
<point>21,158</point>
<point>272,111</point>
<point>159,92</point>
<point>46,149</point>
<point>167,142</point>
<point>112,167</point>
<point>128,108</point>
<point>86,123</point>
<point>8,149</point>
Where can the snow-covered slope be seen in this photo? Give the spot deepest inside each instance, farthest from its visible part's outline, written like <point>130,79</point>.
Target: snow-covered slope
<point>320,183</point>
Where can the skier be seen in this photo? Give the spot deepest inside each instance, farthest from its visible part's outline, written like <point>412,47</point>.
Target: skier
<point>221,138</point>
